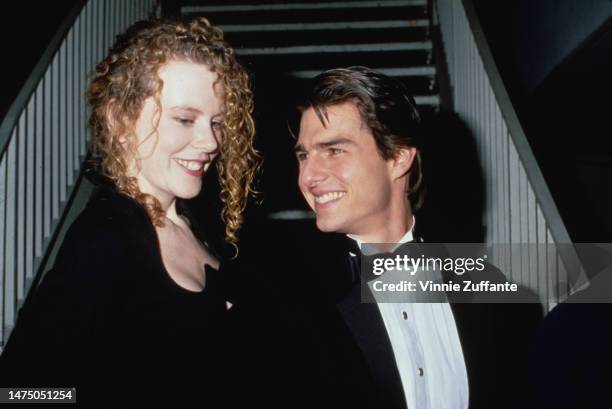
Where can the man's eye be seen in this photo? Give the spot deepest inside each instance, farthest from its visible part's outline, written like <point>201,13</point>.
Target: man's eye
<point>335,151</point>
<point>301,156</point>
<point>184,121</point>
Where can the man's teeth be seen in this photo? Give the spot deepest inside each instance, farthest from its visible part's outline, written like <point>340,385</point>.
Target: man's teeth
<point>328,197</point>
<point>191,165</point>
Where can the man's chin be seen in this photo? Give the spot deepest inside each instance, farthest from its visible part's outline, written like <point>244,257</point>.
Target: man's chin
<point>328,226</point>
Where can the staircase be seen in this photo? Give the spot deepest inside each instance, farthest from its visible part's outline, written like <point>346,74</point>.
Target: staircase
<point>284,44</point>
<point>43,135</point>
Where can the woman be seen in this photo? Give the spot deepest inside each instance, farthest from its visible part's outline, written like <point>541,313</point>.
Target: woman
<point>131,313</point>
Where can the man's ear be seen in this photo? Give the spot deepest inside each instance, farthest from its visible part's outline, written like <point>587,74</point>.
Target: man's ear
<point>402,161</point>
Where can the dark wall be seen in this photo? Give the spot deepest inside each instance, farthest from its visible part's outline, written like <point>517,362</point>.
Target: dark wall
<point>531,37</point>
<point>26,28</point>
<point>548,31</point>
<point>555,58</point>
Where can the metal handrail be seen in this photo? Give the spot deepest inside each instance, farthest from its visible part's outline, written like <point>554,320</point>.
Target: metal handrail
<point>534,174</point>
<point>43,140</point>
<point>482,100</point>
<point>12,116</point>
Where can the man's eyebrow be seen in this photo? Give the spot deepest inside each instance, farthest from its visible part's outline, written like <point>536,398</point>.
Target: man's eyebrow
<point>334,142</point>
<point>327,144</point>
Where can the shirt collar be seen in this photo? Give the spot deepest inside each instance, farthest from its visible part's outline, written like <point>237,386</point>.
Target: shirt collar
<point>409,236</point>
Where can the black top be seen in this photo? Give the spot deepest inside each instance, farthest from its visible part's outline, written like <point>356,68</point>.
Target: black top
<point>109,319</point>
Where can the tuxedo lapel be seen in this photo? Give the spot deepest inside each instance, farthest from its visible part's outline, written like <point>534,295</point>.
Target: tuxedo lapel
<point>368,331</point>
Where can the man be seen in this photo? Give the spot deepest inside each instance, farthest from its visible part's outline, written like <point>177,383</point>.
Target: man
<point>312,342</point>
<point>360,171</point>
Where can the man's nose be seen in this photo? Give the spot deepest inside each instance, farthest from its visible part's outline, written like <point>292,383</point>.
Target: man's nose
<point>312,171</point>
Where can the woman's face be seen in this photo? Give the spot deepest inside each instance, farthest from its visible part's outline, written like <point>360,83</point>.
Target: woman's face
<point>174,156</point>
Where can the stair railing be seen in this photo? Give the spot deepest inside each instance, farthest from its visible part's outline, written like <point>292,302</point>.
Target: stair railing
<point>520,209</point>
<point>43,140</point>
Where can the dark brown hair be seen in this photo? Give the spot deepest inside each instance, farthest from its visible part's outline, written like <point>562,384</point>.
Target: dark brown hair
<point>385,106</point>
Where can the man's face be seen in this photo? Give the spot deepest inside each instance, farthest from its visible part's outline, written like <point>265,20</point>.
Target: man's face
<point>343,176</point>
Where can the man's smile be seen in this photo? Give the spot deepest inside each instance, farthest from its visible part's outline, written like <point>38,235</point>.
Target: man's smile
<point>328,197</point>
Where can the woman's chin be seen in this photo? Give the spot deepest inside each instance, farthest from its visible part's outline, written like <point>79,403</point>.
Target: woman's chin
<point>189,193</point>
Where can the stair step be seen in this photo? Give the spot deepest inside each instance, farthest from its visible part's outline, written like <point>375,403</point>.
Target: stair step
<point>337,48</point>
<point>340,25</point>
<point>235,18</point>
<point>292,214</point>
<point>277,86</point>
<point>432,100</point>
<point>302,6</point>
<point>420,100</point>
<point>339,37</point>
<point>275,93</point>
<point>392,72</point>
<point>287,62</point>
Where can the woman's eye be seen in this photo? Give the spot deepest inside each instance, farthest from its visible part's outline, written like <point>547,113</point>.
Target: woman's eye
<point>217,125</point>
<point>184,121</point>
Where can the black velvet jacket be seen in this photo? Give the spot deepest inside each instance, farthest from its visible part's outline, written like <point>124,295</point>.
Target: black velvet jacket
<point>109,319</point>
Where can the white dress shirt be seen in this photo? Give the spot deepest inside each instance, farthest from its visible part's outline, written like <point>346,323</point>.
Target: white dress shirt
<point>427,352</point>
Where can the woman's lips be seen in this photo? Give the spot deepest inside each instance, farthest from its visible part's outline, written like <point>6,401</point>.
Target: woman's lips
<point>191,167</point>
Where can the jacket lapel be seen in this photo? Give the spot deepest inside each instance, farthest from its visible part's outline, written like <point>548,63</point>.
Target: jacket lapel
<point>369,333</point>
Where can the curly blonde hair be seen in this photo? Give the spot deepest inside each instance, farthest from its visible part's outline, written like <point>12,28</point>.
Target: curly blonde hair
<point>129,75</point>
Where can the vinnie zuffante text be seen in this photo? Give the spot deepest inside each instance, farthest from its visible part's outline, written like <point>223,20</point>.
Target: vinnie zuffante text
<point>414,265</point>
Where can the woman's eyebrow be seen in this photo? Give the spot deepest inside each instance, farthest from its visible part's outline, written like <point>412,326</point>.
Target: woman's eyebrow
<point>186,108</point>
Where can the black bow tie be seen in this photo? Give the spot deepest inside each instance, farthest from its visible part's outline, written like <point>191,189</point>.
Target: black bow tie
<point>356,258</point>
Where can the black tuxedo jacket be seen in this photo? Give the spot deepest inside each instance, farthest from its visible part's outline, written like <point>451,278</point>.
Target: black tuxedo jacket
<point>313,343</point>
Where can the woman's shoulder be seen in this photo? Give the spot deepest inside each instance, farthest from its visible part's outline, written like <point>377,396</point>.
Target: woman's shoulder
<point>110,228</point>
<point>108,208</point>
<point>107,205</point>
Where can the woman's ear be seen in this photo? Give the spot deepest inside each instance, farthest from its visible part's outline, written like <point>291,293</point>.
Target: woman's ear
<point>402,160</point>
